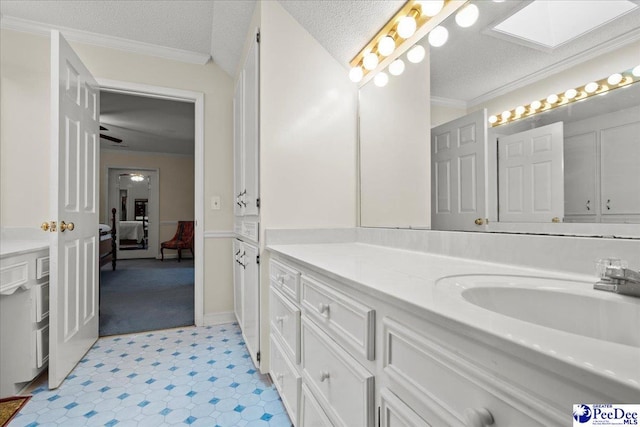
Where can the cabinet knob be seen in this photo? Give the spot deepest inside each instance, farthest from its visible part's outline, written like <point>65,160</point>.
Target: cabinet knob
<point>477,417</point>
<point>323,308</point>
<point>324,375</point>
<point>479,221</point>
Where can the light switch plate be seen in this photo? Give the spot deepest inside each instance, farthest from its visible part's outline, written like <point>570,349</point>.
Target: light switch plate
<point>215,203</point>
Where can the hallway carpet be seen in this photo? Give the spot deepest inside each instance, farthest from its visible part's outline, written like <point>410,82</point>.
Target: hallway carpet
<point>146,295</point>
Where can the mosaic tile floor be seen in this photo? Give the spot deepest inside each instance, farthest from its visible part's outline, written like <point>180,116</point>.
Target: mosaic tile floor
<point>196,376</point>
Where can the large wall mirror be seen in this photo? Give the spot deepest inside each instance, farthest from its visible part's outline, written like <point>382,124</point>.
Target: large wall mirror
<point>482,176</point>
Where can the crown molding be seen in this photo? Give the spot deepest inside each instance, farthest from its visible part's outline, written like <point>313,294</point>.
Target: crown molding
<point>611,45</point>
<point>448,102</point>
<point>103,40</point>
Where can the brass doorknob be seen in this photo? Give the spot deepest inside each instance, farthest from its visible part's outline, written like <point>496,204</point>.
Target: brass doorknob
<point>479,221</point>
<point>64,226</point>
<point>48,226</point>
<point>555,219</point>
<point>45,226</point>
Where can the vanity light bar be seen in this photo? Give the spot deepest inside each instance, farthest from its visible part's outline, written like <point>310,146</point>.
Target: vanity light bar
<point>399,28</point>
<point>555,100</point>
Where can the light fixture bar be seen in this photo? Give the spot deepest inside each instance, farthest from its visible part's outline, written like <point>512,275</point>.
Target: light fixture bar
<point>555,100</point>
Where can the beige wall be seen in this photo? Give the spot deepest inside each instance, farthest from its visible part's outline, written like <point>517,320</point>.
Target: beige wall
<point>24,144</point>
<point>176,185</point>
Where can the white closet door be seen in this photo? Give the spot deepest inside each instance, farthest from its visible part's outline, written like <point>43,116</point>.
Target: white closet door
<point>580,175</point>
<point>251,300</point>
<point>458,173</point>
<point>75,154</point>
<point>530,175</point>
<point>620,148</point>
<point>238,145</point>
<point>250,107</point>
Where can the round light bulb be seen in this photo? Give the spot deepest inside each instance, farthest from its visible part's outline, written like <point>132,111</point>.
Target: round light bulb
<point>370,61</point>
<point>396,67</point>
<point>431,7</point>
<point>552,99</point>
<point>571,93</point>
<point>535,105</point>
<point>467,16</point>
<point>591,87</point>
<point>386,46</point>
<point>356,74</point>
<point>636,71</point>
<point>505,115</point>
<point>438,36</point>
<point>520,110</point>
<point>493,119</point>
<point>416,54</point>
<point>381,79</point>
<point>614,79</point>
<point>406,27</point>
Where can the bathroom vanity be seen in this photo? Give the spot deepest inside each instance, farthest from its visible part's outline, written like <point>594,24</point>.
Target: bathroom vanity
<point>24,310</point>
<point>364,332</point>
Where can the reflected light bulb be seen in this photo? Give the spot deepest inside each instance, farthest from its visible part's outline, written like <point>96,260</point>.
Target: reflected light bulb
<point>520,110</point>
<point>438,36</point>
<point>381,79</point>
<point>406,27</point>
<point>370,61</point>
<point>356,74</point>
<point>493,119</point>
<point>386,46</point>
<point>431,7</point>
<point>396,67</point>
<point>614,79</point>
<point>505,115</point>
<point>636,71</point>
<point>571,93</point>
<point>591,87</point>
<point>416,54</point>
<point>552,99</point>
<point>535,105</point>
<point>467,16</point>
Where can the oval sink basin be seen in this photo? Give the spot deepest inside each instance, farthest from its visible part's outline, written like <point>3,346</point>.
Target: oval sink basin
<point>564,305</point>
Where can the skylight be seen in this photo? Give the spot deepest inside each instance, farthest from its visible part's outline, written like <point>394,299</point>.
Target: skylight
<point>549,24</point>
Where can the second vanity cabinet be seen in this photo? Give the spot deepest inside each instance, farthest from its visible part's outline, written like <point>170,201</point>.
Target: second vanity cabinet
<point>345,355</point>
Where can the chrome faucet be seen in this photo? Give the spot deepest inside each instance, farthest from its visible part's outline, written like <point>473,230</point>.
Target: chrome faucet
<point>616,277</point>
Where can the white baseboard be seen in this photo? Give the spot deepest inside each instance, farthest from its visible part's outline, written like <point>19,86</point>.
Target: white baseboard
<point>211,319</point>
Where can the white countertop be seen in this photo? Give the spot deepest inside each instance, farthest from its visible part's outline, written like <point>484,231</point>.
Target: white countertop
<point>409,278</point>
<point>12,247</point>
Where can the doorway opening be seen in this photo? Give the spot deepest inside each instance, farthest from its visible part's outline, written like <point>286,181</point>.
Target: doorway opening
<point>151,174</point>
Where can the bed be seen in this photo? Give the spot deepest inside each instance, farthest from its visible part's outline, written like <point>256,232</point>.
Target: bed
<point>132,230</point>
<point>108,252</point>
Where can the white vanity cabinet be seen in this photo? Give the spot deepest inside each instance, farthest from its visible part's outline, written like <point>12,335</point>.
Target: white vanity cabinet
<point>24,319</point>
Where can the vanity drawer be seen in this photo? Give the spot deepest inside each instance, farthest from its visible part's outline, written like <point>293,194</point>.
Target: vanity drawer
<point>41,293</point>
<point>444,389</point>
<point>42,267</point>
<point>42,346</point>
<point>13,276</point>
<point>311,413</point>
<point>344,388</point>
<point>285,279</point>
<point>347,321</point>
<point>286,379</point>
<point>395,413</point>
<point>285,322</point>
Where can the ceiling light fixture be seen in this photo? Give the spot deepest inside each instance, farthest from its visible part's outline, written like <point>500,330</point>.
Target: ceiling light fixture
<point>414,19</point>
<point>467,16</point>
<point>438,36</point>
<point>416,54</point>
<point>137,178</point>
<point>396,67</point>
<point>381,79</point>
<point>599,87</point>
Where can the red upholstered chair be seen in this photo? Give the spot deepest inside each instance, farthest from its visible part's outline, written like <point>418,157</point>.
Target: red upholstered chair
<point>183,239</point>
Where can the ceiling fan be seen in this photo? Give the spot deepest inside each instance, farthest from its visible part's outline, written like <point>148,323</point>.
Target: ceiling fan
<point>109,138</point>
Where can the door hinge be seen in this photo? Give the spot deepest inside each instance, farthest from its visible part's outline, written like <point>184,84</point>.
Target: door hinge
<point>257,259</point>
<point>258,37</point>
<point>258,356</point>
<point>258,202</point>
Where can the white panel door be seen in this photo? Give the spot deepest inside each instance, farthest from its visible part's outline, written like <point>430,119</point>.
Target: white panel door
<point>580,178</point>
<point>250,111</point>
<point>74,198</point>
<point>530,175</point>
<point>620,148</point>
<point>238,146</point>
<point>458,173</point>
<point>237,281</point>
<point>251,300</point>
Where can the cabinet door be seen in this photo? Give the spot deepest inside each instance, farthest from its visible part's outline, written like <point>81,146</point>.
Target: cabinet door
<point>620,151</point>
<point>250,111</point>
<point>580,174</point>
<point>237,281</point>
<point>238,185</point>
<point>251,300</point>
